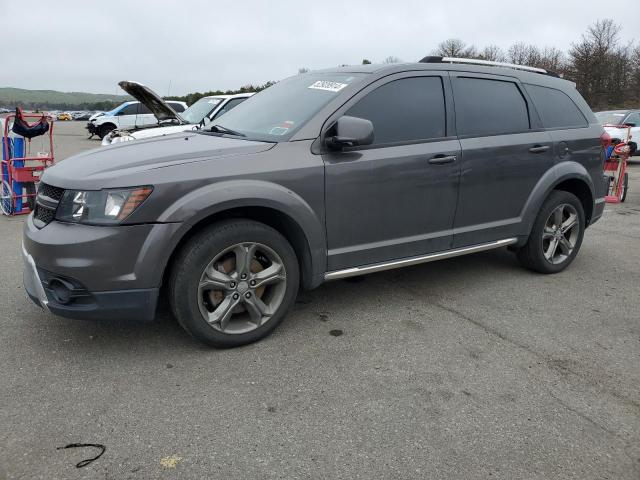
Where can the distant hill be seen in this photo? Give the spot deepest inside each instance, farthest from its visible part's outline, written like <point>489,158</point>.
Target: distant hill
<point>11,97</point>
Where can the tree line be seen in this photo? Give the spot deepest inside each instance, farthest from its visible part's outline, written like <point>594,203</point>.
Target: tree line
<point>191,98</point>
<point>606,71</point>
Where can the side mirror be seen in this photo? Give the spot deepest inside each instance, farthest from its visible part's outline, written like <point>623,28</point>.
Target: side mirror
<point>350,132</point>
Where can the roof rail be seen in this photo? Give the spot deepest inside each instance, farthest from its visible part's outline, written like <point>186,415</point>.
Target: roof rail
<point>473,61</point>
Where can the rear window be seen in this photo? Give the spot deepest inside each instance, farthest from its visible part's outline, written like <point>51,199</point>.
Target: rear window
<point>489,107</point>
<point>556,109</point>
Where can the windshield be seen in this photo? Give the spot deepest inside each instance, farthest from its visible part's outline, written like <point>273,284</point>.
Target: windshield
<point>610,118</point>
<point>277,112</point>
<point>196,112</point>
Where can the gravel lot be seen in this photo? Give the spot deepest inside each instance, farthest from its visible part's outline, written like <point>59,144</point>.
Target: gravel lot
<point>466,368</point>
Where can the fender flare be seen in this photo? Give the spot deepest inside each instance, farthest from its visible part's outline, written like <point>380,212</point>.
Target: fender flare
<point>547,183</point>
<point>226,195</point>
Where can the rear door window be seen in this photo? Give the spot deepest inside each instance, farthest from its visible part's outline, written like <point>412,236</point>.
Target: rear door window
<point>405,110</point>
<point>143,109</point>
<point>489,107</point>
<point>129,109</point>
<point>556,109</point>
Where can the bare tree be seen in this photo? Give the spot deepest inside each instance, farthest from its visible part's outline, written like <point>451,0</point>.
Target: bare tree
<point>303,70</point>
<point>391,59</point>
<point>454,47</point>
<point>601,67</point>
<point>492,53</point>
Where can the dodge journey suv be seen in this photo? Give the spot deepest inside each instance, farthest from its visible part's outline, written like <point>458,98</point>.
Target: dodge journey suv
<point>322,176</point>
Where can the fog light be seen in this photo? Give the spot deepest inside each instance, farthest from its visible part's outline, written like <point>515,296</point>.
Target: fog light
<point>61,291</point>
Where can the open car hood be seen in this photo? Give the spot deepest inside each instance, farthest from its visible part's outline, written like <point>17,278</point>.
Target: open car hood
<point>151,100</point>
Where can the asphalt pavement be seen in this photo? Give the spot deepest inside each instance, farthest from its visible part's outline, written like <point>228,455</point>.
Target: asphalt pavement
<point>467,368</point>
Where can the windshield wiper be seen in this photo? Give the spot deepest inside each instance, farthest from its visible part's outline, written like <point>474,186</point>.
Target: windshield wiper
<point>221,129</point>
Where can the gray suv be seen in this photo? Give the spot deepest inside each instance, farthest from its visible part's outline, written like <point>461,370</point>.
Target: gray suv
<point>322,176</point>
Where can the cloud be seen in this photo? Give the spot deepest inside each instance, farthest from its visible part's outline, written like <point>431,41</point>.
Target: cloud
<point>197,45</point>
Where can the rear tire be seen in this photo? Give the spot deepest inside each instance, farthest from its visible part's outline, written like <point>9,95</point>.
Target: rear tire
<point>625,187</point>
<point>556,235</point>
<point>233,283</point>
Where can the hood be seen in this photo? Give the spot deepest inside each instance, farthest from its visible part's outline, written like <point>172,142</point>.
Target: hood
<point>120,164</point>
<point>146,131</point>
<point>151,100</point>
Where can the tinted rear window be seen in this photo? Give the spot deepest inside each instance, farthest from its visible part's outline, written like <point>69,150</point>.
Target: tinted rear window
<point>556,109</point>
<point>129,109</point>
<point>489,107</point>
<point>404,110</point>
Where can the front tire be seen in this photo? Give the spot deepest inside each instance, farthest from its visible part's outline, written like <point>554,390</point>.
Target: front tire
<point>233,283</point>
<point>556,235</point>
<point>105,129</point>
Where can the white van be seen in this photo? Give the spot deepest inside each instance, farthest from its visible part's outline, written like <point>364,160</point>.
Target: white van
<point>128,115</point>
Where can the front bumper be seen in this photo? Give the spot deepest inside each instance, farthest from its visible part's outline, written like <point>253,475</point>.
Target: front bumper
<point>102,272</point>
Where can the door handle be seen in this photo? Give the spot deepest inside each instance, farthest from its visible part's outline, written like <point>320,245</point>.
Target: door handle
<point>442,159</point>
<point>539,148</point>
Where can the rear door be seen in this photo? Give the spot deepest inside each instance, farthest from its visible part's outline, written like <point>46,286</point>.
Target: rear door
<point>397,197</point>
<point>144,116</point>
<point>504,154</point>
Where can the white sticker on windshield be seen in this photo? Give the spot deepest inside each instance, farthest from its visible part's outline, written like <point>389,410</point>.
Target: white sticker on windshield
<point>328,86</point>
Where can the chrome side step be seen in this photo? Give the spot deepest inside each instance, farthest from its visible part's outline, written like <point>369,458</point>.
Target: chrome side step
<point>432,257</point>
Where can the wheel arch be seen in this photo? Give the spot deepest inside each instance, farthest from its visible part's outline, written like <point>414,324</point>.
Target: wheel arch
<point>567,176</point>
<point>270,204</point>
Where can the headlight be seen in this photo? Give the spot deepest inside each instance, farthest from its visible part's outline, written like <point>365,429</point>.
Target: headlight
<point>101,207</point>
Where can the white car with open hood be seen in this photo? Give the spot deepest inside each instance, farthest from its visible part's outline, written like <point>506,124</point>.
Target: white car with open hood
<point>201,113</point>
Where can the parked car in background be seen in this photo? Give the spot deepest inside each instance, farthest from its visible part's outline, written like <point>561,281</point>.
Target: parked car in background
<point>630,118</point>
<point>82,115</point>
<point>128,115</point>
<point>201,113</point>
<point>322,176</point>
<point>64,116</point>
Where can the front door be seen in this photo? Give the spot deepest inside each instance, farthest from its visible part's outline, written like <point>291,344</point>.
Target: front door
<point>397,197</point>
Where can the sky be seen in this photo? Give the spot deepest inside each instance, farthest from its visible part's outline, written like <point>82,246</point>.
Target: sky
<point>177,47</point>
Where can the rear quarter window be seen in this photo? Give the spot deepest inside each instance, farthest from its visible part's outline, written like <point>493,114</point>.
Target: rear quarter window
<point>489,107</point>
<point>178,107</point>
<point>555,108</point>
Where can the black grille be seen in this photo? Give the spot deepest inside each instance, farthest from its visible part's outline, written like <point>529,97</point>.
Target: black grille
<point>45,215</point>
<point>53,193</point>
